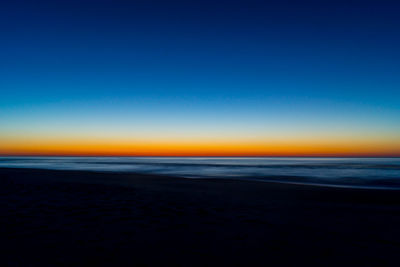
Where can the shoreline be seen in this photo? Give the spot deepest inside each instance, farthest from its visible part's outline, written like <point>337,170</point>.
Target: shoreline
<point>65,218</point>
<point>289,180</point>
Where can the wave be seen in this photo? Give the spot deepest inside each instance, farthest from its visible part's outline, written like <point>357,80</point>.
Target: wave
<point>369,172</point>
<point>237,164</point>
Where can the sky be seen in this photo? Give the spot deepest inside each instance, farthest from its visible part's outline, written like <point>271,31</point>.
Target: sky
<point>200,78</point>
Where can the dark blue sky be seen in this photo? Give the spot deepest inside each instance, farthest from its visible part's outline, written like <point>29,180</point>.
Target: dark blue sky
<point>193,66</point>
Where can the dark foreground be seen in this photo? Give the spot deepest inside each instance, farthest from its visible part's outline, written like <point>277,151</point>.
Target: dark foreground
<point>70,218</point>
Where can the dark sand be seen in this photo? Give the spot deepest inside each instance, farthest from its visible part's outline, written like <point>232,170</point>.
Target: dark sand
<point>70,218</point>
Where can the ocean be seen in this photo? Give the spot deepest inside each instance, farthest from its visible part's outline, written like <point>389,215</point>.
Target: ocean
<point>381,173</point>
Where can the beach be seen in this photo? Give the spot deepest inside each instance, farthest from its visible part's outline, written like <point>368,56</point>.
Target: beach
<point>82,218</point>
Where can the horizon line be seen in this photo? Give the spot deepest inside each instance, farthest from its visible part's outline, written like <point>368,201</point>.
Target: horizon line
<point>203,156</point>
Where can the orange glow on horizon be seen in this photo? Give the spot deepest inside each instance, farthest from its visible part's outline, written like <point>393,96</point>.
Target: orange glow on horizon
<point>273,147</point>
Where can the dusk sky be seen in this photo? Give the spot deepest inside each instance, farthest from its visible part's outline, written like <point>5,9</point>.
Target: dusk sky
<point>205,78</point>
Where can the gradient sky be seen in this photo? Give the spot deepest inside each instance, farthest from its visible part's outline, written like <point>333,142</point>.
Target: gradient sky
<point>218,78</point>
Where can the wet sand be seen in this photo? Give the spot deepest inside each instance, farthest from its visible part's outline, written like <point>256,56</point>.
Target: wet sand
<point>73,218</point>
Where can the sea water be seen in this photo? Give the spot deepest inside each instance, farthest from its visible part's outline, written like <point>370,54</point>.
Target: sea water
<point>353,172</point>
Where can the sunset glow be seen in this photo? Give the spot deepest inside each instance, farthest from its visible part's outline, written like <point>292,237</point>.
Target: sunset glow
<point>234,83</point>
<point>137,147</point>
